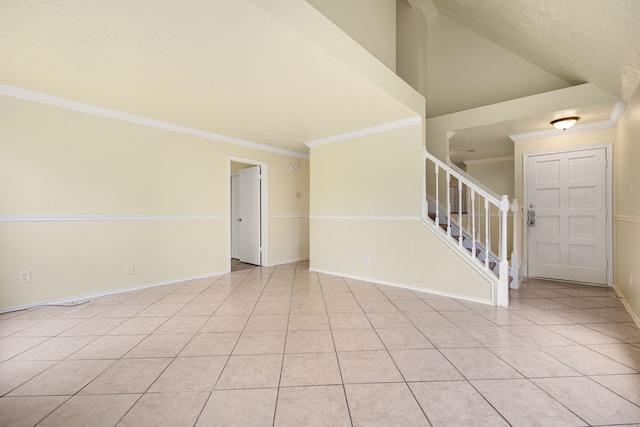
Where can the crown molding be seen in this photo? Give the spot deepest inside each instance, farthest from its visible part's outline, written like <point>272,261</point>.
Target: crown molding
<point>488,160</point>
<point>398,124</point>
<point>614,117</point>
<point>70,104</point>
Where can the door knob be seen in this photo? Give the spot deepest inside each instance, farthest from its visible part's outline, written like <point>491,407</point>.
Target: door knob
<point>239,219</point>
<point>531,218</point>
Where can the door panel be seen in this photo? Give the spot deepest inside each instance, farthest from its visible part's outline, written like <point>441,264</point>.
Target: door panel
<point>249,218</point>
<point>567,193</point>
<point>235,215</point>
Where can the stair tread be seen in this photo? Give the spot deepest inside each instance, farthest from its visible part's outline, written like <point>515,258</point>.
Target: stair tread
<point>491,264</point>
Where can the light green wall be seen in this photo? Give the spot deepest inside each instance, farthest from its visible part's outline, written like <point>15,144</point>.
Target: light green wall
<point>57,162</point>
<point>495,175</point>
<point>411,45</point>
<point>372,23</point>
<point>465,70</point>
<point>627,205</point>
<point>366,200</point>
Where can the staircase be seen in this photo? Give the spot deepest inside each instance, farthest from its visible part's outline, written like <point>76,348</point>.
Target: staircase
<point>467,242</point>
<point>474,222</point>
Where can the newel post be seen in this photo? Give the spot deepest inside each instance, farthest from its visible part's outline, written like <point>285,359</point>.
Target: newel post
<point>503,278</point>
<point>515,250</point>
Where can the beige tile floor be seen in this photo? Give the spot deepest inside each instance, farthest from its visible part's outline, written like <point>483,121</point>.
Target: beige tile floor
<point>284,346</point>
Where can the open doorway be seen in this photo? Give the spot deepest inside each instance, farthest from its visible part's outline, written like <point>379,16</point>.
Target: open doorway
<point>247,241</point>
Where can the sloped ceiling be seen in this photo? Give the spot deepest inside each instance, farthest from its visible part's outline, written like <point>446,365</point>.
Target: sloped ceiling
<point>229,67</point>
<point>595,41</point>
<point>223,66</point>
<point>578,41</point>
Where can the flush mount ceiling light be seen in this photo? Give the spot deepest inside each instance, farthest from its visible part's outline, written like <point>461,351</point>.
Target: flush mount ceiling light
<point>564,123</point>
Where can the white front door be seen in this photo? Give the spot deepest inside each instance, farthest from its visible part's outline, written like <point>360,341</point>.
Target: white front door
<point>566,217</point>
<point>249,226</point>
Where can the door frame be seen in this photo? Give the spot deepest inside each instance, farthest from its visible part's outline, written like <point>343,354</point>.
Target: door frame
<point>608,146</point>
<point>264,259</point>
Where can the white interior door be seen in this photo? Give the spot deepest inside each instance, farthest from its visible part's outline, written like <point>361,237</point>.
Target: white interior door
<point>566,216</point>
<point>235,214</point>
<point>249,215</point>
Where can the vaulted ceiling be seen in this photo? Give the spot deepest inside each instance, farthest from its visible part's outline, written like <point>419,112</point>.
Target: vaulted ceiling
<point>579,41</point>
<point>231,67</point>
<point>226,67</point>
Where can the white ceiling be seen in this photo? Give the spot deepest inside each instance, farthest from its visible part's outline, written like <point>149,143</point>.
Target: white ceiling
<point>223,66</point>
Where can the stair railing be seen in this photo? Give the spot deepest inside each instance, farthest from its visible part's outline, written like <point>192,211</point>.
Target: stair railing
<point>484,236</point>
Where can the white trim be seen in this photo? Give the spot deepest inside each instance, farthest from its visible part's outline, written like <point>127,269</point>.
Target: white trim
<point>616,113</point>
<point>398,124</point>
<point>633,315</point>
<point>70,104</point>
<point>628,218</point>
<point>105,293</point>
<point>284,262</point>
<point>58,218</point>
<point>403,286</point>
<point>367,218</point>
<point>488,160</point>
<point>608,147</point>
<point>287,217</point>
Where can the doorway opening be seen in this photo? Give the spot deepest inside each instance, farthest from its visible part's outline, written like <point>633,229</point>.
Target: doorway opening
<point>247,213</point>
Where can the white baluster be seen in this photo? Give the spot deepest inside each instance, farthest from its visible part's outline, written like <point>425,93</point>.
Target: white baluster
<point>487,248</point>
<point>448,204</point>
<point>459,212</point>
<point>515,256</point>
<point>437,172</point>
<point>473,221</point>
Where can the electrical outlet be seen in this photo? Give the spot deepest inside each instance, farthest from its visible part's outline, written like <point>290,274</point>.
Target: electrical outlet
<point>201,255</point>
<point>129,270</point>
<point>25,276</point>
<point>367,259</point>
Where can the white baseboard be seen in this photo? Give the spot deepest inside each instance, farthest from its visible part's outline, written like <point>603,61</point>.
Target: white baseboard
<point>84,297</point>
<point>635,318</point>
<point>408,287</point>
<point>291,261</point>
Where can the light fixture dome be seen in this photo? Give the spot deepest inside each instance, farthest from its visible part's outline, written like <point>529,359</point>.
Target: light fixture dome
<point>564,123</point>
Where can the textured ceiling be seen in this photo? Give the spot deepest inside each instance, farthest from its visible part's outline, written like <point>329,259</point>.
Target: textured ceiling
<point>578,41</point>
<point>223,66</point>
<point>595,41</point>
